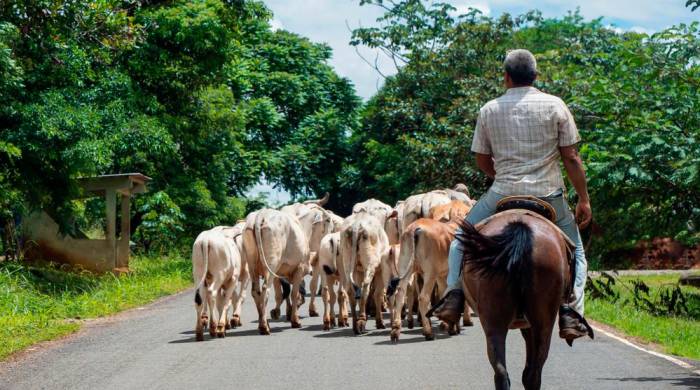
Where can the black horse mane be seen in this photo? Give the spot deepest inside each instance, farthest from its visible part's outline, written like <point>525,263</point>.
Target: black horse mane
<point>508,255</point>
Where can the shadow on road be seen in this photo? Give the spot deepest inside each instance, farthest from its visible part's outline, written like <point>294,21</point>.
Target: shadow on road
<point>690,382</point>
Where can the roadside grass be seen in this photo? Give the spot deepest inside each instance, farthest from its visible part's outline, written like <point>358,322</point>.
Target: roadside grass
<point>676,334</point>
<point>39,303</point>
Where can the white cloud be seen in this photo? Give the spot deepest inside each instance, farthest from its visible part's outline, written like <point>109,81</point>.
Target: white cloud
<point>329,21</point>
<point>464,8</point>
<point>276,24</point>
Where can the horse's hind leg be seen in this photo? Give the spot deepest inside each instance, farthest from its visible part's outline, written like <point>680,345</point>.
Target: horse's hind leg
<point>496,348</point>
<point>537,340</point>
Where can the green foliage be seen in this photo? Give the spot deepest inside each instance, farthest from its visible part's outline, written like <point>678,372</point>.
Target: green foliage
<point>161,223</point>
<point>650,311</point>
<point>634,98</point>
<point>42,303</point>
<point>200,95</point>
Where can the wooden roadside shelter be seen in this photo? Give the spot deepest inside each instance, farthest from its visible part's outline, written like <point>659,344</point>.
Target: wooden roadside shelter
<point>43,239</point>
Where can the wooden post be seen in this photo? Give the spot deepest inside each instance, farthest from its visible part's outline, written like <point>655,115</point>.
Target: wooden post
<point>110,232</point>
<point>123,245</point>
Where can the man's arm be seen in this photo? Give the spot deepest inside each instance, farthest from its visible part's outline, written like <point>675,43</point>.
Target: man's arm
<point>485,163</point>
<point>577,176</point>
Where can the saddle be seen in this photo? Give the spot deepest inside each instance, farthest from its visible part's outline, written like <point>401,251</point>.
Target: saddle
<point>527,202</point>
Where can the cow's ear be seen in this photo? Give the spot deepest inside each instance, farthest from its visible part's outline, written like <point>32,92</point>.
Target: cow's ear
<point>393,214</point>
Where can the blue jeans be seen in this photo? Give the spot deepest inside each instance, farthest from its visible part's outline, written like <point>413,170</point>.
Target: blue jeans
<point>486,207</point>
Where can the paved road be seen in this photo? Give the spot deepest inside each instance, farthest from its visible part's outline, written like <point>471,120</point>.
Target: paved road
<point>154,348</point>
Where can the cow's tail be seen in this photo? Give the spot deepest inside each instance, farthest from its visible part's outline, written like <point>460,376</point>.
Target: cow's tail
<point>353,254</point>
<point>394,282</point>
<point>258,240</point>
<point>330,269</point>
<point>205,259</point>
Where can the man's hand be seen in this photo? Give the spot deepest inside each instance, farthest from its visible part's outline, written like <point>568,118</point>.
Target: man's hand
<point>583,214</point>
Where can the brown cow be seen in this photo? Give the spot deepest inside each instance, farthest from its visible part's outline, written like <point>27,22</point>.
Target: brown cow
<point>424,248</point>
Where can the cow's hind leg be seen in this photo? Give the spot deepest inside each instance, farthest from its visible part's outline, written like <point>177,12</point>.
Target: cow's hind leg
<point>410,301</point>
<point>399,298</point>
<point>223,302</point>
<point>326,297</point>
<point>259,294</point>
<point>277,312</point>
<point>297,279</point>
<point>424,304</point>
<point>342,306</point>
<point>200,308</point>
<point>315,279</point>
<point>378,300</point>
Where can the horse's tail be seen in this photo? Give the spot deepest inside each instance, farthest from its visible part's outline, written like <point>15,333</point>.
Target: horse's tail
<point>508,255</point>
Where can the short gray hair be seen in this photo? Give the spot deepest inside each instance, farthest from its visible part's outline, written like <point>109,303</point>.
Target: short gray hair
<point>521,66</point>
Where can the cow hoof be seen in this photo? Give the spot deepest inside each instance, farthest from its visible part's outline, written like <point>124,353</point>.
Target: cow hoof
<point>265,331</point>
<point>429,337</point>
<point>409,323</point>
<point>296,324</point>
<point>326,325</point>
<point>275,314</point>
<point>362,326</point>
<point>443,326</point>
<point>220,335</point>
<point>395,335</point>
<point>228,326</point>
<point>313,313</point>
<point>380,325</point>
<point>235,322</point>
<point>212,332</point>
<point>199,336</point>
<point>467,323</point>
<point>332,322</point>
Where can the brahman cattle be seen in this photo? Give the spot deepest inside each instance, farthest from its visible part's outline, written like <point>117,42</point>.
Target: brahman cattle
<point>216,267</point>
<point>275,246</point>
<point>363,242</point>
<point>235,233</point>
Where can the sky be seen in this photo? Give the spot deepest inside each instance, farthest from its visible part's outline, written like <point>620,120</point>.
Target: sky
<point>330,21</point>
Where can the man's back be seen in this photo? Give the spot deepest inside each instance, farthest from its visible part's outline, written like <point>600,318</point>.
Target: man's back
<point>523,130</point>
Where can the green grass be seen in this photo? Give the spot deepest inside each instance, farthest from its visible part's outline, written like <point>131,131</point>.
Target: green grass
<point>677,335</point>
<point>38,303</point>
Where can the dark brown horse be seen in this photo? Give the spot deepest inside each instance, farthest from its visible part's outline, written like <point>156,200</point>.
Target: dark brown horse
<point>515,263</point>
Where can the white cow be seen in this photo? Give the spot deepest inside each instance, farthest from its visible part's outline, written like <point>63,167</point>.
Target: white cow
<point>235,233</point>
<point>216,267</point>
<point>316,222</point>
<point>328,257</point>
<point>363,242</point>
<point>274,245</point>
<point>419,205</point>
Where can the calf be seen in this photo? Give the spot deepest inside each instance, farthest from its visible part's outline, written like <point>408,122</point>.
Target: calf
<point>216,267</point>
<point>275,246</point>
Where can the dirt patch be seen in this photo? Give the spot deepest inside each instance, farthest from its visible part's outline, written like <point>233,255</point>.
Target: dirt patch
<point>663,253</point>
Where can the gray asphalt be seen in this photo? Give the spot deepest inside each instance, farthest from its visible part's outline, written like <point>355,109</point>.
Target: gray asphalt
<point>154,348</point>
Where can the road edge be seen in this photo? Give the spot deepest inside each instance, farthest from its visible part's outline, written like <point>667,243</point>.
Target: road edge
<point>625,339</point>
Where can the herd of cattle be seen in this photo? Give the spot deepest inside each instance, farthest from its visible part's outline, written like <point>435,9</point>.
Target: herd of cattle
<point>379,252</point>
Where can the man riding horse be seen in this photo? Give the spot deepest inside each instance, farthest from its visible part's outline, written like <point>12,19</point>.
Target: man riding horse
<point>519,140</point>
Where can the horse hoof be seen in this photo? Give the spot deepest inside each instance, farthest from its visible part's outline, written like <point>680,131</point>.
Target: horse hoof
<point>313,313</point>
<point>275,314</point>
<point>199,336</point>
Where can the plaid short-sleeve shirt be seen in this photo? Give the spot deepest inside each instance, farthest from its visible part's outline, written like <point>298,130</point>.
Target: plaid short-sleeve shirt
<point>523,130</point>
